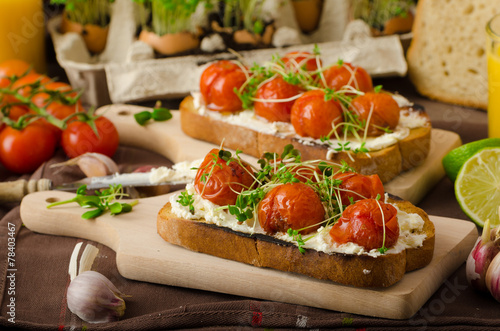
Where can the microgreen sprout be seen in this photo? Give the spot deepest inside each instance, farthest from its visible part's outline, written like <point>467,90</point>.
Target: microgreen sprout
<point>101,201</point>
<point>158,114</point>
<point>187,200</point>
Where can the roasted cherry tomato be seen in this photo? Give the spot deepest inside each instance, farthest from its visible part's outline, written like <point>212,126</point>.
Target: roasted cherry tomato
<point>304,61</point>
<point>313,116</point>
<point>379,110</point>
<point>356,187</point>
<point>219,181</point>
<point>23,151</point>
<point>217,84</point>
<point>10,68</point>
<point>79,138</point>
<point>346,74</point>
<point>293,205</point>
<point>363,223</point>
<point>276,89</point>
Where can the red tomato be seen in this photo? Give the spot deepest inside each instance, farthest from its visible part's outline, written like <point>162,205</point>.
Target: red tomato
<point>23,151</point>
<point>346,74</point>
<point>220,182</point>
<point>56,108</point>
<point>23,84</point>
<point>300,60</point>
<point>379,110</point>
<point>17,111</point>
<point>276,89</point>
<point>292,205</point>
<point>363,223</point>
<point>358,187</point>
<point>217,84</point>
<point>79,138</point>
<point>10,68</point>
<point>314,117</point>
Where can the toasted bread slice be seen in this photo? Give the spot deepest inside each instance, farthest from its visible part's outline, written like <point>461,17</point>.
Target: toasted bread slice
<point>265,251</point>
<point>388,162</point>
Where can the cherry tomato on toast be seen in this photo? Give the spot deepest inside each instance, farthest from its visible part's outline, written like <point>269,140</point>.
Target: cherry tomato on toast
<point>313,116</point>
<point>356,187</point>
<point>278,92</point>
<point>219,181</point>
<point>346,74</point>
<point>217,84</point>
<point>363,223</point>
<point>292,205</point>
<point>379,110</point>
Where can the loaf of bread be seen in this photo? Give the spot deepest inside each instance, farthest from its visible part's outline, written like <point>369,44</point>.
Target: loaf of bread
<point>447,56</point>
<point>388,162</point>
<point>265,251</point>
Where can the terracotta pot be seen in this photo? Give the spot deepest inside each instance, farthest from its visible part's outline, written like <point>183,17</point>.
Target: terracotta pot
<point>170,44</point>
<point>94,36</point>
<point>307,14</point>
<point>246,37</point>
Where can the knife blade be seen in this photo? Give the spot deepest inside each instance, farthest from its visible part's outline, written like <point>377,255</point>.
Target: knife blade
<point>126,180</point>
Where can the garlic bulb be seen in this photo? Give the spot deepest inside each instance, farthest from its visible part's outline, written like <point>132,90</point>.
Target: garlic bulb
<point>92,164</point>
<point>93,298</point>
<point>480,257</point>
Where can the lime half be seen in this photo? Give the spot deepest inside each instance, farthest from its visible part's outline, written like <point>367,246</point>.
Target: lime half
<point>477,187</point>
<point>455,159</point>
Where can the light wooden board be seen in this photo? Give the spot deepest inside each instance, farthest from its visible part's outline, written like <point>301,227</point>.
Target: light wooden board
<point>167,139</point>
<point>143,255</point>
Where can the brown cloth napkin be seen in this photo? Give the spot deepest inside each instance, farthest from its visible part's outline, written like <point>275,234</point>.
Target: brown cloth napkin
<point>37,280</point>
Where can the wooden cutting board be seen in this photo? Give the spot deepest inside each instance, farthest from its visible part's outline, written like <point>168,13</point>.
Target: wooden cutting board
<point>141,254</point>
<point>167,139</point>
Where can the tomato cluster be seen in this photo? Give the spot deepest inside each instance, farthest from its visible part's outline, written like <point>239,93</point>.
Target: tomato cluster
<point>319,102</point>
<point>40,115</point>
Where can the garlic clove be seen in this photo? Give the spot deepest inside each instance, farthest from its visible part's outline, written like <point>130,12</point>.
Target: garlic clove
<point>480,258</point>
<point>493,278</point>
<point>93,297</point>
<point>92,164</point>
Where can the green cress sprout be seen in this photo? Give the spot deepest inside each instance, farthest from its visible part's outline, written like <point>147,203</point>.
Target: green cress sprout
<point>158,114</point>
<point>101,202</point>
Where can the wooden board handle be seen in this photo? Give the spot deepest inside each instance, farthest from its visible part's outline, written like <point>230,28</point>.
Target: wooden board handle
<point>14,191</point>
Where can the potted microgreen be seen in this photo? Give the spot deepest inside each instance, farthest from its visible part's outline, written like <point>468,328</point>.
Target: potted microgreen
<point>88,18</point>
<point>170,26</point>
<point>385,17</point>
<point>243,22</point>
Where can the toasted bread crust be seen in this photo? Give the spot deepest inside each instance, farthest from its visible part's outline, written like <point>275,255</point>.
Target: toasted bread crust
<point>264,251</point>
<point>387,163</point>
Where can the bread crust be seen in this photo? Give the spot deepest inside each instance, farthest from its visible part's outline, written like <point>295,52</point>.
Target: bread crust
<point>265,251</point>
<point>388,162</point>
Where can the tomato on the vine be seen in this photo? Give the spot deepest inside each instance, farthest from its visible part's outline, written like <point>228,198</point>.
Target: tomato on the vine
<point>9,68</point>
<point>313,116</point>
<point>278,92</point>
<point>23,151</point>
<point>217,84</point>
<point>293,206</point>
<point>363,223</point>
<point>79,138</point>
<point>56,107</point>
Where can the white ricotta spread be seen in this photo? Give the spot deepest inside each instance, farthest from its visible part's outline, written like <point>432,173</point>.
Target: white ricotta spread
<point>182,171</point>
<point>410,225</point>
<point>247,118</point>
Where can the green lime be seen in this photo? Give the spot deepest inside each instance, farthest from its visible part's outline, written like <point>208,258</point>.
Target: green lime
<point>477,187</point>
<point>454,160</point>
